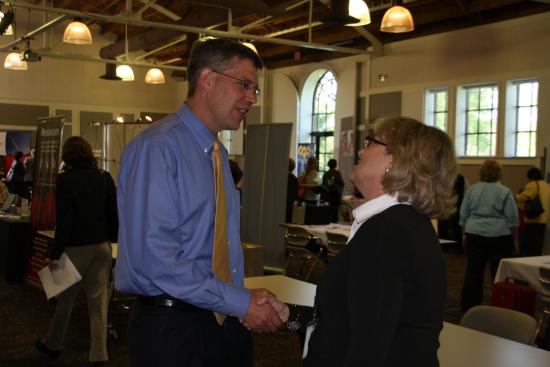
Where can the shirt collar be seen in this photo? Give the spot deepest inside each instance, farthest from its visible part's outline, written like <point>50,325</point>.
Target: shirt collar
<point>204,136</point>
<point>370,209</point>
<point>373,207</point>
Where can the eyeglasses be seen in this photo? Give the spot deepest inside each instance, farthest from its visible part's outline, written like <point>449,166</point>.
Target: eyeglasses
<point>246,84</point>
<point>369,140</point>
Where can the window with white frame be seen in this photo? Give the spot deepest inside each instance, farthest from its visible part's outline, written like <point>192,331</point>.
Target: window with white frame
<point>476,120</point>
<point>323,119</point>
<point>436,107</point>
<point>521,118</point>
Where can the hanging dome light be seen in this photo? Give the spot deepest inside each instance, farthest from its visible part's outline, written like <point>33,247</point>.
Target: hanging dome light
<point>250,46</point>
<point>154,76</point>
<point>397,20</point>
<point>125,73</point>
<point>359,9</point>
<point>13,62</point>
<point>77,33</point>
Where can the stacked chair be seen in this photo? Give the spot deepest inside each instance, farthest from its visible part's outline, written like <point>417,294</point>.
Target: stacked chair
<point>297,240</point>
<point>335,243</point>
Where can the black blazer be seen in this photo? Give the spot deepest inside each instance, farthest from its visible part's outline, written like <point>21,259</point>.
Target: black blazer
<point>381,301</point>
<point>86,210</point>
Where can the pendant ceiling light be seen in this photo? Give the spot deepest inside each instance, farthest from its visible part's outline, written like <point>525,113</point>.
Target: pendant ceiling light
<point>77,33</point>
<point>154,76</point>
<point>359,10</point>
<point>125,73</point>
<point>250,46</point>
<point>397,20</point>
<point>13,62</point>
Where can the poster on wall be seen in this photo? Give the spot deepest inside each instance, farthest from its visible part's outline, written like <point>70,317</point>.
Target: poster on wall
<point>347,151</point>
<point>12,142</point>
<point>305,150</point>
<point>48,148</point>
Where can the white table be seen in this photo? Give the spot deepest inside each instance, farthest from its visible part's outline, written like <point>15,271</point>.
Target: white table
<point>524,268</point>
<point>287,289</point>
<point>460,346</point>
<point>463,347</point>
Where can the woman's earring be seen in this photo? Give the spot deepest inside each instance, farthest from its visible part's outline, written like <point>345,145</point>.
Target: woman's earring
<point>387,169</point>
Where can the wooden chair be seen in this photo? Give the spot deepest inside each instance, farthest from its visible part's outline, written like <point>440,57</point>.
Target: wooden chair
<point>335,243</point>
<point>345,213</point>
<point>296,240</point>
<point>503,322</point>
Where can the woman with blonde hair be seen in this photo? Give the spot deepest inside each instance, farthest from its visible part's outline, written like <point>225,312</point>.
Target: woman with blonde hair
<point>381,300</point>
<point>309,180</point>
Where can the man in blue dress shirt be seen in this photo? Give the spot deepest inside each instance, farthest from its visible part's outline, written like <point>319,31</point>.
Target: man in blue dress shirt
<point>166,203</point>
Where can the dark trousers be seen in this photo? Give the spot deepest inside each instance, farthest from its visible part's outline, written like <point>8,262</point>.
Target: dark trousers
<point>533,240</point>
<point>480,250</point>
<point>169,337</point>
<point>334,205</point>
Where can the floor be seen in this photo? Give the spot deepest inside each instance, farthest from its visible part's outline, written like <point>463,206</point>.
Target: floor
<point>25,315</point>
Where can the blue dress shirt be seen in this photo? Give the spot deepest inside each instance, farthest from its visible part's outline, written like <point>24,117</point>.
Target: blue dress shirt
<point>166,206</point>
<point>489,210</point>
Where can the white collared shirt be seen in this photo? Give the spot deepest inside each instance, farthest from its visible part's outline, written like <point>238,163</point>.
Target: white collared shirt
<point>371,208</point>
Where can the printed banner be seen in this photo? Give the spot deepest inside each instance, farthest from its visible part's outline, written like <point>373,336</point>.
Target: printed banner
<point>47,161</point>
<point>3,143</point>
<point>305,150</point>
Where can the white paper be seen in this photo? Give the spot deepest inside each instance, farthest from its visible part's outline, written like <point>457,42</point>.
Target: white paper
<point>56,282</point>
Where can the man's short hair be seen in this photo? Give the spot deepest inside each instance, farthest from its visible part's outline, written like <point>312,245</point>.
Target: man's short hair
<point>216,54</point>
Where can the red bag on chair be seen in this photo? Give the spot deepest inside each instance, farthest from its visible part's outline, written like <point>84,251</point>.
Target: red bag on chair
<point>514,294</point>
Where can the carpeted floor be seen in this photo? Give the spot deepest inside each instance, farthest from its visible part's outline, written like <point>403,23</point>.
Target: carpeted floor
<point>25,315</point>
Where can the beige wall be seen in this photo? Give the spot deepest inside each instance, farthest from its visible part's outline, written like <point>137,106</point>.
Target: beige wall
<point>75,85</point>
<point>492,53</point>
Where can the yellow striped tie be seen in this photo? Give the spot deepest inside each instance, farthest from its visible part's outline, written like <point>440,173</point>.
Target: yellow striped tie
<point>220,256</point>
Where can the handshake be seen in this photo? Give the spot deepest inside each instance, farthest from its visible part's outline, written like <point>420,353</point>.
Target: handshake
<point>265,312</point>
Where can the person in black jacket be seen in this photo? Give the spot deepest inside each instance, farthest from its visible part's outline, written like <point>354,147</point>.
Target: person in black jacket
<point>381,301</point>
<point>16,175</point>
<point>86,224</point>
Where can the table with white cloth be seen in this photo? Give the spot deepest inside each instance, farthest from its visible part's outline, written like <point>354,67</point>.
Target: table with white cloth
<point>523,268</point>
<point>460,346</point>
<point>320,232</point>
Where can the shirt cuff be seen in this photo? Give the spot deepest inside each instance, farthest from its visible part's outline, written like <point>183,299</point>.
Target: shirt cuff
<point>237,304</point>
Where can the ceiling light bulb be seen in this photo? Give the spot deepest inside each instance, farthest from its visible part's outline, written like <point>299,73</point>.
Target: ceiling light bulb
<point>120,119</point>
<point>13,62</point>
<point>125,73</point>
<point>397,20</point>
<point>359,9</point>
<point>77,33</point>
<point>250,46</point>
<point>154,76</point>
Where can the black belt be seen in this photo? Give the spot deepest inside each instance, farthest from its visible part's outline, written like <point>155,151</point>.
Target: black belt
<point>168,302</point>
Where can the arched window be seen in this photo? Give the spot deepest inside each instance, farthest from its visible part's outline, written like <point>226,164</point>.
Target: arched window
<point>315,135</point>
<point>323,119</point>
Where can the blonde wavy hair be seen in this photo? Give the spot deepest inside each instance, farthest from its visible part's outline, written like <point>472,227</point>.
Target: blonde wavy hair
<point>424,165</point>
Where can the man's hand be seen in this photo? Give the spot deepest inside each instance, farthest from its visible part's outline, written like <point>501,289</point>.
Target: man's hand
<point>261,316</point>
<point>280,307</point>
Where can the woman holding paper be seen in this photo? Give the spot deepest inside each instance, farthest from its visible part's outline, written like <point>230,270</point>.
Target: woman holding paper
<point>86,224</point>
<point>381,300</point>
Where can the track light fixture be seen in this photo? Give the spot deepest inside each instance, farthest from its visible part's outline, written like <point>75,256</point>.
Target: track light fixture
<point>6,19</point>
